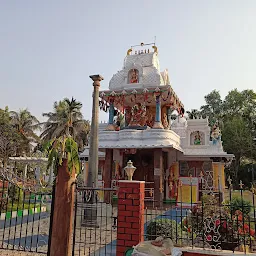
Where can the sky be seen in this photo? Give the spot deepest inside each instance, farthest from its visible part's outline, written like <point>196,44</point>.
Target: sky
<point>48,49</point>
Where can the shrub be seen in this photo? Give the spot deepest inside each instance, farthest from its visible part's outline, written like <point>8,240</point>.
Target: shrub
<point>239,204</point>
<point>15,193</point>
<point>163,227</point>
<point>3,204</point>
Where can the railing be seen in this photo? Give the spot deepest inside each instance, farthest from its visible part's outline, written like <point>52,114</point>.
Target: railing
<point>214,222</point>
<point>24,219</point>
<point>95,222</point>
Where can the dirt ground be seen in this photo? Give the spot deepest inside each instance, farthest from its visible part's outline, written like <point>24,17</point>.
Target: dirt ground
<point>17,253</point>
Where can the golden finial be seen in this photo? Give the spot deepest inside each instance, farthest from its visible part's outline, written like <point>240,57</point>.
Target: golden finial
<point>155,48</point>
<point>129,52</point>
<point>151,192</point>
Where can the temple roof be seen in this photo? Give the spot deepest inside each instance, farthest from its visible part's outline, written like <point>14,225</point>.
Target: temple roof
<point>140,78</point>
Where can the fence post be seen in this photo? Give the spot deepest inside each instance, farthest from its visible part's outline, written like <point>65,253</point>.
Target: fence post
<point>130,219</point>
<point>63,213</point>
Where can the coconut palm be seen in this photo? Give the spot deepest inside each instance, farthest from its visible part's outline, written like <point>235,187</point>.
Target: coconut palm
<point>26,126</point>
<point>193,114</point>
<point>65,120</point>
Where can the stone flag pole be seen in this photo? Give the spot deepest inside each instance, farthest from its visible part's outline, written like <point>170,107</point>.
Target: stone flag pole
<point>94,140</point>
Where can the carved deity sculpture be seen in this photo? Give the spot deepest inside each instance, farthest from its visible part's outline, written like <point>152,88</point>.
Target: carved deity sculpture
<point>197,140</point>
<point>138,115</point>
<point>216,134</point>
<point>165,121</point>
<point>172,181</point>
<point>150,118</point>
<point>134,77</point>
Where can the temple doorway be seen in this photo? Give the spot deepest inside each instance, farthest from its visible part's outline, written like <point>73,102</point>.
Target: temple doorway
<point>143,160</point>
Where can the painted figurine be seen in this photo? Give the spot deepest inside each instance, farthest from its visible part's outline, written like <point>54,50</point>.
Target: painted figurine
<point>197,140</point>
<point>216,134</point>
<point>134,77</point>
<point>165,121</point>
<point>172,185</point>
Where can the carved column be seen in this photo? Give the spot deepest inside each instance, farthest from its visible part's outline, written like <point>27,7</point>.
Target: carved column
<point>158,123</point>
<point>94,140</point>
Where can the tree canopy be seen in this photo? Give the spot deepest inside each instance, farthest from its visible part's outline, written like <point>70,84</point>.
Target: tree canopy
<point>21,133</point>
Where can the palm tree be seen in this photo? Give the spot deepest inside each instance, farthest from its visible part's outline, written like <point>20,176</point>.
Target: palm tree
<point>26,126</point>
<point>65,120</point>
<point>193,114</point>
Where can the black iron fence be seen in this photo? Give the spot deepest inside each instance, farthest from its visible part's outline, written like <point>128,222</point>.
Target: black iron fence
<point>95,222</point>
<point>220,220</point>
<point>24,218</point>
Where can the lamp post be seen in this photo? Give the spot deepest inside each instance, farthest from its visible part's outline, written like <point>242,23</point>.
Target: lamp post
<point>90,213</point>
<point>130,169</point>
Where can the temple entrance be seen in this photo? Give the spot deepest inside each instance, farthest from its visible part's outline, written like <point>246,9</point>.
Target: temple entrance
<point>143,160</point>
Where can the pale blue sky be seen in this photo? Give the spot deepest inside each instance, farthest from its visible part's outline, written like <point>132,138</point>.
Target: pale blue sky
<point>49,48</point>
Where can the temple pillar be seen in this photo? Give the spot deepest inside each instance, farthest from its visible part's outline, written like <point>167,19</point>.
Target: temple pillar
<point>158,123</point>
<point>107,174</point>
<point>219,176</point>
<point>111,113</point>
<point>158,177</point>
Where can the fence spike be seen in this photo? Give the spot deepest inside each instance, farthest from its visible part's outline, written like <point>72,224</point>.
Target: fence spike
<point>229,180</point>
<point>241,184</point>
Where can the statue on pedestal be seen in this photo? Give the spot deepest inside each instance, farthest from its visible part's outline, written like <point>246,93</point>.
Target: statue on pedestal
<point>216,134</point>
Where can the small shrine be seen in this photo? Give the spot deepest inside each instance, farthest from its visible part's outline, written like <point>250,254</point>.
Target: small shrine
<point>166,153</point>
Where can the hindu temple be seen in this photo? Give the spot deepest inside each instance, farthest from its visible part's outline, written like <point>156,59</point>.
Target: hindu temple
<point>166,153</point>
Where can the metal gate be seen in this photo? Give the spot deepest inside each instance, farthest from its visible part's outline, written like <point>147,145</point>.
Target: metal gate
<point>25,213</point>
<point>95,222</point>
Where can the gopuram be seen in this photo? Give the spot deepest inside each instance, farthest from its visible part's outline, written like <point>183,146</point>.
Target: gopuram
<point>166,153</point>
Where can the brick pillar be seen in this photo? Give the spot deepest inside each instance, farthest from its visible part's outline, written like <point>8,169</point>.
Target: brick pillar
<point>158,177</point>
<point>130,220</point>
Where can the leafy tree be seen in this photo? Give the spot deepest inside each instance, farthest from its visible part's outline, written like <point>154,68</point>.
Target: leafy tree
<point>213,107</point>
<point>237,139</point>
<point>66,119</point>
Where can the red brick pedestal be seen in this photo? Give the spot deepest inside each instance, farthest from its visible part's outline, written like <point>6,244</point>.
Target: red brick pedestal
<point>130,220</point>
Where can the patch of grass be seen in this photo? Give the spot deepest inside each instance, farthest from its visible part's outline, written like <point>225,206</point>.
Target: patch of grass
<point>247,195</point>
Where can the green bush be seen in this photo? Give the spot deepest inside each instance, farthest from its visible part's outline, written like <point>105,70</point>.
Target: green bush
<point>238,203</point>
<point>15,193</point>
<point>163,227</point>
